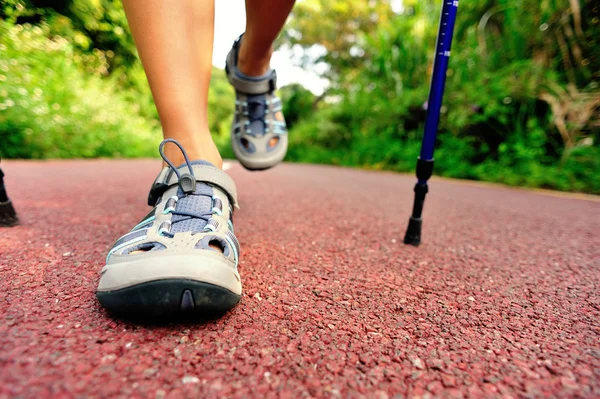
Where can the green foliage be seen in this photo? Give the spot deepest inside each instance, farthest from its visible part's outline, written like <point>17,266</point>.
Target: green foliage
<point>335,25</point>
<point>298,103</point>
<point>104,22</point>
<point>72,85</point>
<point>55,103</point>
<point>221,98</point>
<point>90,24</point>
<point>520,108</point>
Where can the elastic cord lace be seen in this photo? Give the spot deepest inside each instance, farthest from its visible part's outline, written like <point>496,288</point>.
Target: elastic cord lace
<point>190,215</point>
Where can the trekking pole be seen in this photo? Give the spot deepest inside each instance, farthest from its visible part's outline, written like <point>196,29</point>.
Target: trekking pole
<point>434,104</point>
<point>8,216</point>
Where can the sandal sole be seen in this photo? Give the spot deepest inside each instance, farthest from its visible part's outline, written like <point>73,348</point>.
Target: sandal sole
<point>169,299</point>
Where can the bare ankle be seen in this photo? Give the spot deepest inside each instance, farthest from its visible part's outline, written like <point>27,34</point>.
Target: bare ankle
<point>202,148</point>
<point>254,63</point>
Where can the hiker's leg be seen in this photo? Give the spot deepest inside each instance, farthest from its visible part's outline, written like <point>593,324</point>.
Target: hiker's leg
<point>175,42</point>
<point>264,20</point>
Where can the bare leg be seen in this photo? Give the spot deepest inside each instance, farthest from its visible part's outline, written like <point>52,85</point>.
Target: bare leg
<point>174,40</point>
<point>264,20</point>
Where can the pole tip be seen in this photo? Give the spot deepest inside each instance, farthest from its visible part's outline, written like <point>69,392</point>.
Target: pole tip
<point>413,232</point>
<point>8,216</point>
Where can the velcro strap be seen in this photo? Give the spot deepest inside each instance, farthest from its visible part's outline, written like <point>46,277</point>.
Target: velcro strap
<point>253,87</point>
<point>203,173</point>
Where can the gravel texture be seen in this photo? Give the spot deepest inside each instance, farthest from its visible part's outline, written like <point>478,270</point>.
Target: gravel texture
<point>502,299</point>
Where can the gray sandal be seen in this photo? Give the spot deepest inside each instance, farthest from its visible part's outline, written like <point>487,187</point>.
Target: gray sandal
<point>259,134</point>
<point>182,257</point>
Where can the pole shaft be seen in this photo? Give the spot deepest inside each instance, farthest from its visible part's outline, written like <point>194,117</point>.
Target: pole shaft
<point>438,77</point>
<point>3,195</point>
<point>434,105</point>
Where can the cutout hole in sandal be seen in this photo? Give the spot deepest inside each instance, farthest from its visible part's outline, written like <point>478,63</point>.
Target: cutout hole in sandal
<point>146,247</point>
<point>245,143</point>
<point>216,245</point>
<point>273,142</point>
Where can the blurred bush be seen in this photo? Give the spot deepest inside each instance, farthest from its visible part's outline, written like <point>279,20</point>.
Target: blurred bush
<point>71,84</point>
<point>56,102</point>
<point>521,103</point>
<point>298,103</point>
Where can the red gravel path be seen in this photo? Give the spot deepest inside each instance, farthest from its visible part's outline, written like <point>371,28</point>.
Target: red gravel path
<point>502,299</point>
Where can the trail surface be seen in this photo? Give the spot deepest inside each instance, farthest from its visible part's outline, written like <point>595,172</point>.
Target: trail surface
<point>501,299</point>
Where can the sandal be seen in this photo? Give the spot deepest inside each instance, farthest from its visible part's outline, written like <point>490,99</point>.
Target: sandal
<point>182,257</point>
<point>259,134</point>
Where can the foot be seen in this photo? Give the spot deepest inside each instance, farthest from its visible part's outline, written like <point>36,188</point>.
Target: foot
<point>259,133</point>
<point>182,258</point>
